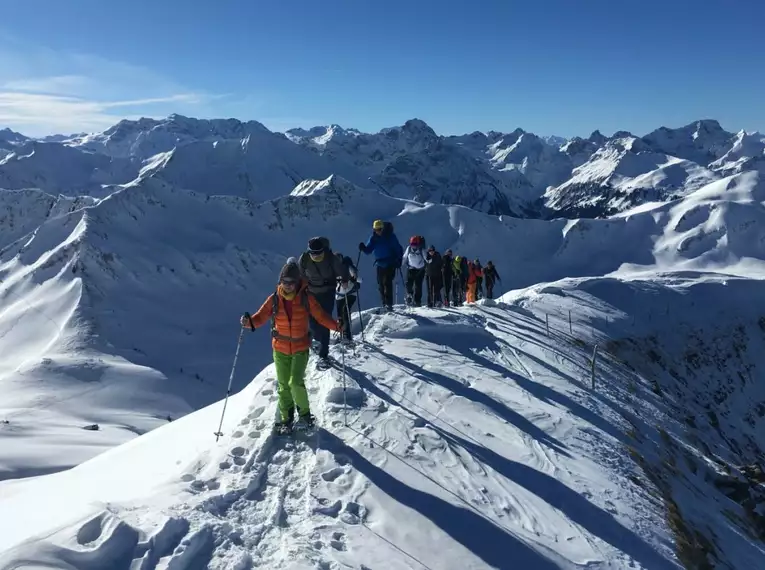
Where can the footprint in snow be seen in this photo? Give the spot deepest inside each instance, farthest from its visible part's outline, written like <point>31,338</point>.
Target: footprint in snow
<point>224,465</point>
<point>254,434</point>
<point>333,474</point>
<point>238,451</point>
<point>329,510</point>
<point>267,392</point>
<point>354,513</point>
<point>237,434</point>
<point>257,412</point>
<point>338,541</point>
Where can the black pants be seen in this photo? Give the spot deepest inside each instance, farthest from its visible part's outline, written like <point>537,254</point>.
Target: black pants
<point>448,278</point>
<point>344,307</point>
<point>434,289</point>
<point>385,276</point>
<point>456,291</point>
<point>327,302</point>
<point>414,279</point>
<point>478,287</point>
<point>489,289</point>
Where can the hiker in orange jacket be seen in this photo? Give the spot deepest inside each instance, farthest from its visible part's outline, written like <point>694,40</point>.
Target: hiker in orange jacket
<point>289,309</point>
<point>474,272</point>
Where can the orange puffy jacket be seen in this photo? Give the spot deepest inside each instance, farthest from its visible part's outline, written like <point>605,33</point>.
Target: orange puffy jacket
<point>473,272</point>
<point>292,334</point>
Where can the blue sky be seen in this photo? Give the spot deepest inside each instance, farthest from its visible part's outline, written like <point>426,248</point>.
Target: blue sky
<point>562,67</point>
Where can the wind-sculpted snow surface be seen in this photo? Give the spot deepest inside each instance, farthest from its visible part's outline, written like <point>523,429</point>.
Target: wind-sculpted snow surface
<point>472,442</point>
<point>688,348</point>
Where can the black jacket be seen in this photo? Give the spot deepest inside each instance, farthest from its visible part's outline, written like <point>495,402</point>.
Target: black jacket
<point>434,265</point>
<point>490,274</point>
<point>446,264</point>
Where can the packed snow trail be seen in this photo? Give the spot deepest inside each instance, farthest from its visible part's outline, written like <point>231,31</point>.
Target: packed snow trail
<point>471,443</point>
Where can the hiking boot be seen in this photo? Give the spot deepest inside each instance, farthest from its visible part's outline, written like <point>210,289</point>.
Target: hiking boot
<point>305,422</point>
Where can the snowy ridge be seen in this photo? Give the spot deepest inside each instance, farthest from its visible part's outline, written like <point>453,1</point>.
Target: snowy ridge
<point>129,257</point>
<point>623,174</point>
<point>500,173</point>
<point>496,450</point>
<point>55,167</point>
<point>689,348</point>
<point>404,482</point>
<point>146,137</point>
<point>122,310</point>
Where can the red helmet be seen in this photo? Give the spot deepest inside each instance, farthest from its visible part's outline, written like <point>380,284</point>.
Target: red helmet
<point>414,240</point>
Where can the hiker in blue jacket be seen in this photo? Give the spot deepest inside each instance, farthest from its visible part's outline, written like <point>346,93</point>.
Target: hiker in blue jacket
<point>388,256</point>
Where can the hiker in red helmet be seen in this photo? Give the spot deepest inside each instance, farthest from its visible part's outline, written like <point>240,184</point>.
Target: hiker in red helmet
<point>414,261</point>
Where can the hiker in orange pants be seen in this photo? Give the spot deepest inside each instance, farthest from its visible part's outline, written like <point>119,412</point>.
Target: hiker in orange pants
<point>474,272</point>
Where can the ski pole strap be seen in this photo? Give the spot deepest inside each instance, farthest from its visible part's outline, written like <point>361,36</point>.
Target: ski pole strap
<point>249,318</point>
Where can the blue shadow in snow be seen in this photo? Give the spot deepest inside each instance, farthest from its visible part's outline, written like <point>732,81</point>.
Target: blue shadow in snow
<point>469,393</point>
<point>577,508</point>
<point>492,544</point>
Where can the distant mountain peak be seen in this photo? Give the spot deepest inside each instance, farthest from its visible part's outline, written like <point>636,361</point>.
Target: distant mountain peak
<point>597,137</point>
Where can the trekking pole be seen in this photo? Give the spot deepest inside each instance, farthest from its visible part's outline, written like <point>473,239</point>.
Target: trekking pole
<point>348,313</point>
<point>345,400</point>
<point>358,297</point>
<point>231,378</point>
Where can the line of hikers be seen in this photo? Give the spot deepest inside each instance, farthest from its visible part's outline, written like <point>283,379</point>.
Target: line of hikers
<point>309,287</point>
<point>446,276</point>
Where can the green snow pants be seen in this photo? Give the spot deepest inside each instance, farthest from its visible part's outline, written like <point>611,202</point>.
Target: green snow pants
<point>290,375</point>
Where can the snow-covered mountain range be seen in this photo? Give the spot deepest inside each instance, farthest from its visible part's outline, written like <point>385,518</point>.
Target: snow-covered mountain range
<point>517,173</point>
<point>476,439</point>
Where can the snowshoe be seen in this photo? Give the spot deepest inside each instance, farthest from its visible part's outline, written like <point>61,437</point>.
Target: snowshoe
<point>282,428</point>
<point>304,423</point>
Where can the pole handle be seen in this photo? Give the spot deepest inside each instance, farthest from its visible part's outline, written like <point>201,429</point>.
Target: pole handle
<point>249,318</point>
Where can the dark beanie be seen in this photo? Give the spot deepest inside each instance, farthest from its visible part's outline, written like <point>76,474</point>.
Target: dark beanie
<point>290,270</point>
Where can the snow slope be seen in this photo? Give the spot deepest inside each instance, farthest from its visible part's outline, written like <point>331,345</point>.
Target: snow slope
<point>486,456</point>
<point>622,174</point>
<point>701,142</point>
<point>474,439</point>
<point>56,167</point>
<point>121,280</point>
<point>688,347</point>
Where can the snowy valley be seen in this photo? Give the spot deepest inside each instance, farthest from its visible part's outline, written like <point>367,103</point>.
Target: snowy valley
<point>475,437</point>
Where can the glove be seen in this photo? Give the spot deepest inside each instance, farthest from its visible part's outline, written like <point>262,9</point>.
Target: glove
<point>362,247</point>
<point>245,321</point>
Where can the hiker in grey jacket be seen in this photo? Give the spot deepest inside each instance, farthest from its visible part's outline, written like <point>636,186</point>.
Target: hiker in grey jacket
<point>322,268</point>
